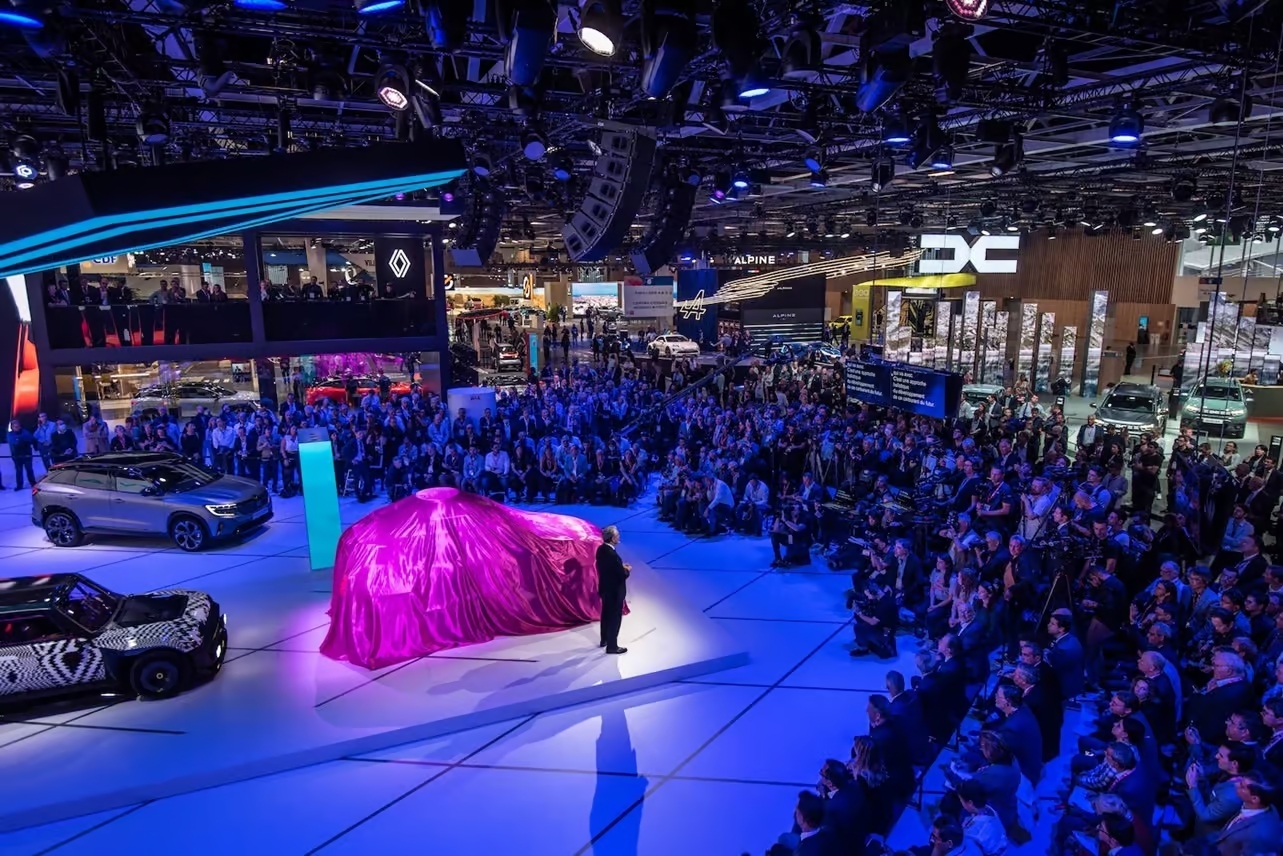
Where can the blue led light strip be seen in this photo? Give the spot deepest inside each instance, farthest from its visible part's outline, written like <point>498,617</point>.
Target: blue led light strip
<point>44,265</point>
<point>178,214</point>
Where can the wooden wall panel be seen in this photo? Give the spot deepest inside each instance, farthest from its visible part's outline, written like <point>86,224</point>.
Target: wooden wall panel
<point>1073,266</point>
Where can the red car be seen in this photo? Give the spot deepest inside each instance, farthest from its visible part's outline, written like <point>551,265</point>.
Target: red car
<point>335,389</point>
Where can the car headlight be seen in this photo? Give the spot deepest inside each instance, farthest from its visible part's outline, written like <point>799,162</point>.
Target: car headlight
<point>1236,411</point>
<point>221,510</point>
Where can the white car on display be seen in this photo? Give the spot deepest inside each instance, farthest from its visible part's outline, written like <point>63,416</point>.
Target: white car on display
<point>185,396</point>
<point>672,345</point>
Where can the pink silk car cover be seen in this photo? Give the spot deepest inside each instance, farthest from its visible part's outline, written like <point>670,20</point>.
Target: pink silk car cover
<point>443,568</point>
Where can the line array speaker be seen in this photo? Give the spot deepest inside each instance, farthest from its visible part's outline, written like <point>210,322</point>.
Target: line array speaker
<point>620,179</point>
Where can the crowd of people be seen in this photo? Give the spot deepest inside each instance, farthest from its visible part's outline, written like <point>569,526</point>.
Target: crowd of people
<point>1031,565</point>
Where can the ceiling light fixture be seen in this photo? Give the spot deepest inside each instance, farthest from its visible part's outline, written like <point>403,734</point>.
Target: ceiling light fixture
<point>736,29</point>
<point>668,40</point>
<point>20,17</point>
<point>375,7</point>
<point>820,178</point>
<point>260,5</point>
<point>601,26</point>
<point>894,130</point>
<point>533,144</point>
<point>968,10</point>
<point>943,159</point>
<point>1126,127</point>
<point>393,86</point>
<point>882,173</point>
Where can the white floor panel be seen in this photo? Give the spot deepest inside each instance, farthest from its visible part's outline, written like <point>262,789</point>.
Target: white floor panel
<point>723,552</point>
<point>684,817</point>
<point>289,813</point>
<point>833,667</point>
<point>703,589</point>
<point>57,837</point>
<point>649,732</point>
<point>774,647</point>
<point>822,724</point>
<point>501,811</point>
<point>783,595</point>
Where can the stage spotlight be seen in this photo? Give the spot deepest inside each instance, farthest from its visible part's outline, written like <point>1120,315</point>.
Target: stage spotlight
<point>527,27</point>
<point>482,165</point>
<point>562,168</point>
<point>790,230</point>
<point>691,175</point>
<point>871,218</point>
<point>153,127</point>
<point>1183,189</point>
<point>968,10</point>
<point>943,158</point>
<point>1200,217</point>
<point>882,173</point>
<point>375,7</point>
<point>1007,157</point>
<point>915,221</point>
<point>668,37</point>
<point>802,55</point>
<point>721,185</point>
<point>1229,111</point>
<point>25,173</point>
<point>601,26</point>
<point>736,30</point>
<point>533,144</point>
<point>260,5</point>
<point>988,208</point>
<point>894,130</point>
<point>820,178</point>
<point>1274,226</point>
<point>1126,127</point>
<point>392,85</point>
<point>1052,233</point>
<point>951,62</point>
<point>814,159</point>
<point>741,179</point>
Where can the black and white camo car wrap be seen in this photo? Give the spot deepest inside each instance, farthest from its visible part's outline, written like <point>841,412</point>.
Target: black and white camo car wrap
<point>180,634</point>
<point>68,662</point>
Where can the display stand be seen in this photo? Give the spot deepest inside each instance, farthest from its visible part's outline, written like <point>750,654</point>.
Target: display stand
<point>320,496</point>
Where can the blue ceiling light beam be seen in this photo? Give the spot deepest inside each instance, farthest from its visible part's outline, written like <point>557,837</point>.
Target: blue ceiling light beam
<point>283,206</point>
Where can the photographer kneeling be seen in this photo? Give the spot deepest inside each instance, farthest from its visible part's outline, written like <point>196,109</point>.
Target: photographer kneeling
<point>876,616</point>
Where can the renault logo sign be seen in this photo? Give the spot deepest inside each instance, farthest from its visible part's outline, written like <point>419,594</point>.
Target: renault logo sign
<point>399,264</point>
<point>976,255</point>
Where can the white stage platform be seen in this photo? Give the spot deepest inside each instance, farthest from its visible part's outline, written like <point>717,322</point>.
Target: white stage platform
<point>279,705</point>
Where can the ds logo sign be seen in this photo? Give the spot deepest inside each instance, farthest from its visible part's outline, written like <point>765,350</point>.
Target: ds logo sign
<point>976,255</point>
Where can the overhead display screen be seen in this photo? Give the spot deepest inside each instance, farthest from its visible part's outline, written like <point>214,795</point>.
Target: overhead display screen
<point>910,388</point>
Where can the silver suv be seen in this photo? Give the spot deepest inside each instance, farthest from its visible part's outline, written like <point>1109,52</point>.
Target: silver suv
<point>146,494</point>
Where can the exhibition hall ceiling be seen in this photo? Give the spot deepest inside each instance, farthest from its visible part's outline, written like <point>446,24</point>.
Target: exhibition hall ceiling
<point>797,119</point>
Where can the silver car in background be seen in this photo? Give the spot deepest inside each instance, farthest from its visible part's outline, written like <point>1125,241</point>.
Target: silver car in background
<point>148,494</point>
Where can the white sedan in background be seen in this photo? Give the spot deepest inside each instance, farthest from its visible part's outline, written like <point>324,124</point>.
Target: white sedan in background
<point>183,397</point>
<point>672,345</point>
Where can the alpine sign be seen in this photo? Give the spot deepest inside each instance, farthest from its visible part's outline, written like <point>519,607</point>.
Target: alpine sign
<point>976,255</point>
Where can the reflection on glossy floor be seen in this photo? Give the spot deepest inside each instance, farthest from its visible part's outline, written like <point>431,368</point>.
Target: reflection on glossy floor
<point>710,765</point>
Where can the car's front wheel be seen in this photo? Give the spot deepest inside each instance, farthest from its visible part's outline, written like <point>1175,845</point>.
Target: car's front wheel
<point>188,533</point>
<point>63,529</point>
<point>158,675</point>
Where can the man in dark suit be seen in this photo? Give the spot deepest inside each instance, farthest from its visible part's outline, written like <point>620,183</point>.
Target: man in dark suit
<point>1272,745</point>
<point>906,713</point>
<point>612,586</point>
<point>816,838</point>
<point>1118,833</point>
<point>1256,829</point>
<point>1227,692</point>
<point>895,748</point>
<point>1020,731</point>
<point>975,646</point>
<point>1065,654</point>
<point>1039,700</point>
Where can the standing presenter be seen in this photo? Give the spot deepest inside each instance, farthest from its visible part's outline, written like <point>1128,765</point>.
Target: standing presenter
<point>612,585</point>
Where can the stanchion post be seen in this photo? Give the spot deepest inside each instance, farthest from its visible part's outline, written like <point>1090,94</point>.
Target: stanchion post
<point>320,496</point>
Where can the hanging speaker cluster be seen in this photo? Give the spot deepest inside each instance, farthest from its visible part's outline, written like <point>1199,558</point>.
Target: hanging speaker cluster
<point>620,179</point>
<point>479,232</point>
<point>672,215</point>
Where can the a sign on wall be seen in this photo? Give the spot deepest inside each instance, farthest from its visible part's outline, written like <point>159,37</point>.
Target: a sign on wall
<point>976,255</point>
<point>648,297</point>
<point>400,267</point>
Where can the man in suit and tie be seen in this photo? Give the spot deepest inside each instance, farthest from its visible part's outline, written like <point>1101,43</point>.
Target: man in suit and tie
<point>612,586</point>
<point>1065,654</point>
<point>975,647</point>
<point>906,713</point>
<point>1118,834</point>
<point>816,839</point>
<point>1227,692</point>
<point>1256,829</point>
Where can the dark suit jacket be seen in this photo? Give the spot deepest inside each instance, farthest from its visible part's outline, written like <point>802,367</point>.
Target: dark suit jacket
<point>975,651</point>
<point>825,842</point>
<point>845,813</point>
<point>906,712</point>
<point>1066,659</point>
<point>1021,733</point>
<point>1138,793</point>
<point>1251,836</point>
<point>895,754</point>
<point>1050,718</point>
<point>611,576</point>
<point>1207,711</point>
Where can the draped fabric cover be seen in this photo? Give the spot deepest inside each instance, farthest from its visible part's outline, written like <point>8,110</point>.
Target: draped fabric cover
<point>443,568</point>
